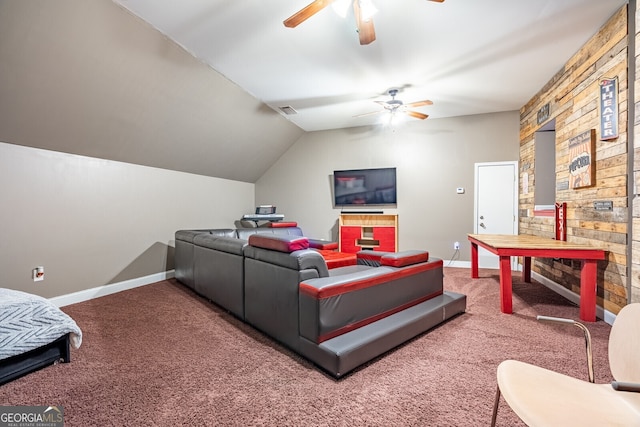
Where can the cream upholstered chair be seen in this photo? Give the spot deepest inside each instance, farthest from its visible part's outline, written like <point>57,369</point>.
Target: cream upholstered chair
<point>541,397</point>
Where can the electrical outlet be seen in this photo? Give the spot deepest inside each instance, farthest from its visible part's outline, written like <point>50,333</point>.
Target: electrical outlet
<point>38,274</point>
<point>456,245</point>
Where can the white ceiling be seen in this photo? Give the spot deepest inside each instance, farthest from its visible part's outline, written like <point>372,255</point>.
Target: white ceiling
<point>467,56</point>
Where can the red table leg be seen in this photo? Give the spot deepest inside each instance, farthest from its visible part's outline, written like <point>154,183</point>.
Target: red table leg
<point>474,260</point>
<point>588,290</point>
<point>505,285</point>
<point>526,270</point>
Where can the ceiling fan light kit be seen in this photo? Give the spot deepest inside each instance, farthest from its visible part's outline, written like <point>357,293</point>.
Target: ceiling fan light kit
<point>394,106</point>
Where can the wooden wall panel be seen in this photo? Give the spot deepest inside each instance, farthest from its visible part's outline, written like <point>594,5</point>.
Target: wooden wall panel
<point>635,208</point>
<point>573,95</point>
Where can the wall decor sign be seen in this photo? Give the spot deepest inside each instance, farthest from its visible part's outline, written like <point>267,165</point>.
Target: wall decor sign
<point>581,149</point>
<point>561,221</point>
<point>603,205</point>
<point>608,108</point>
<point>543,113</point>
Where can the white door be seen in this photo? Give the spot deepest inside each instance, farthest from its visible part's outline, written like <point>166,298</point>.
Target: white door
<point>495,205</point>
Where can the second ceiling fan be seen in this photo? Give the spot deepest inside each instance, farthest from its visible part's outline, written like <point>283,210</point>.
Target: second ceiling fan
<point>394,106</point>
<point>364,22</point>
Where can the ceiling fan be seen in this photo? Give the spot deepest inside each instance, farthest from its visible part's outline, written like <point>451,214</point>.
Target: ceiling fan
<point>361,10</point>
<point>395,105</point>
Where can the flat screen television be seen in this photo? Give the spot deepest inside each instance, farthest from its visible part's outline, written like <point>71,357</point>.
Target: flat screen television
<point>364,187</point>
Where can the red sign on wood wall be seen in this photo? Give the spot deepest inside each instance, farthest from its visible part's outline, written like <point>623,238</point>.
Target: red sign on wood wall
<point>561,221</point>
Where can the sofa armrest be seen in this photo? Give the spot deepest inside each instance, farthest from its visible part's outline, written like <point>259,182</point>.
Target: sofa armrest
<point>282,224</point>
<point>404,258</point>
<point>280,243</point>
<point>392,259</point>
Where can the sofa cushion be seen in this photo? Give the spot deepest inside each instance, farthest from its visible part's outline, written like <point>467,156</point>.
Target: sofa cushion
<point>401,259</point>
<point>189,235</point>
<point>223,232</point>
<point>323,244</point>
<point>280,243</point>
<point>337,259</point>
<point>371,258</point>
<point>229,245</point>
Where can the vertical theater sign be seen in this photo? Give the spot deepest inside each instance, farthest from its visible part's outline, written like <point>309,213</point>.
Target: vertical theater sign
<point>581,148</point>
<point>608,108</point>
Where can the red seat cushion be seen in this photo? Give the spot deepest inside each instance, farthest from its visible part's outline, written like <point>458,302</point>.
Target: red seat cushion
<point>283,224</point>
<point>337,259</point>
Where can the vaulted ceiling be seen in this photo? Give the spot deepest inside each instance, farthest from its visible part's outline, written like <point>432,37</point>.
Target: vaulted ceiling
<point>468,57</point>
<point>197,85</point>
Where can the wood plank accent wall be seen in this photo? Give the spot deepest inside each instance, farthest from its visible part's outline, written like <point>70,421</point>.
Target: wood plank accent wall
<point>635,254</point>
<point>573,95</point>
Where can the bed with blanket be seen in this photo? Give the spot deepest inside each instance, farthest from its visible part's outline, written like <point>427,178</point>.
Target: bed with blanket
<point>34,333</point>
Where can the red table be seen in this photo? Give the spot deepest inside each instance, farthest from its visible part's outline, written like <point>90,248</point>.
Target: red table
<point>506,246</point>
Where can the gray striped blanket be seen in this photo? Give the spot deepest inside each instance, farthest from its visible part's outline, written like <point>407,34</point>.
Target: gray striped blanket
<point>29,321</point>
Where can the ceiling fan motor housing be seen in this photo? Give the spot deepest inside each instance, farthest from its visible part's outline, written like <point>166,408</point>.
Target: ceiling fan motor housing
<point>394,103</point>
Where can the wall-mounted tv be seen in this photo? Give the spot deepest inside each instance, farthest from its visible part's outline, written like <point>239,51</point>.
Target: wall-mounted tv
<point>364,187</point>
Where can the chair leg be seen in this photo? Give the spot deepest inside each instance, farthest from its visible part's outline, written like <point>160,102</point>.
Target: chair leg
<point>494,416</point>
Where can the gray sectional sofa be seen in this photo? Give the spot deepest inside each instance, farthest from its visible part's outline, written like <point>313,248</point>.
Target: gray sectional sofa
<point>274,279</point>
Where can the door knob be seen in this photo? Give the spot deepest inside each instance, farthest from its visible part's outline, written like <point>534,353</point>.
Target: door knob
<point>481,217</point>
<point>482,225</point>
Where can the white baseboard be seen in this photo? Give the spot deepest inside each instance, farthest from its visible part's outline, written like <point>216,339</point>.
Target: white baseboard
<point>603,314</point>
<point>459,264</point>
<point>101,291</point>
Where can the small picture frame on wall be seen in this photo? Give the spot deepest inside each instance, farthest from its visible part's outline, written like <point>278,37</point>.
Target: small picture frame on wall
<point>581,164</point>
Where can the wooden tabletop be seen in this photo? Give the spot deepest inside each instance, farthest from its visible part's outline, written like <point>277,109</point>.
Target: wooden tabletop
<point>522,241</point>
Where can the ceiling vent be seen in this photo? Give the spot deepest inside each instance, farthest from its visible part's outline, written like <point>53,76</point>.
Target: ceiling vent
<point>288,110</point>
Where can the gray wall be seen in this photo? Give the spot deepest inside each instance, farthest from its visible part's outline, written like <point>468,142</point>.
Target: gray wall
<point>432,157</point>
<point>89,78</point>
<point>92,222</point>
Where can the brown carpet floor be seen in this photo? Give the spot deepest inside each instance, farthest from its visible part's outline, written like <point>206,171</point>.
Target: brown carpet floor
<point>161,355</point>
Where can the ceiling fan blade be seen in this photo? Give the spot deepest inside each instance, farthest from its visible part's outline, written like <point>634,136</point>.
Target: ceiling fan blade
<point>366,32</point>
<point>419,103</point>
<point>416,114</point>
<point>306,13</point>
<point>370,114</point>
<point>437,1</point>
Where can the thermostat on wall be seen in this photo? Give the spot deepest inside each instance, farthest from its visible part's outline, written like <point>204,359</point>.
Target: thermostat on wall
<point>460,190</point>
